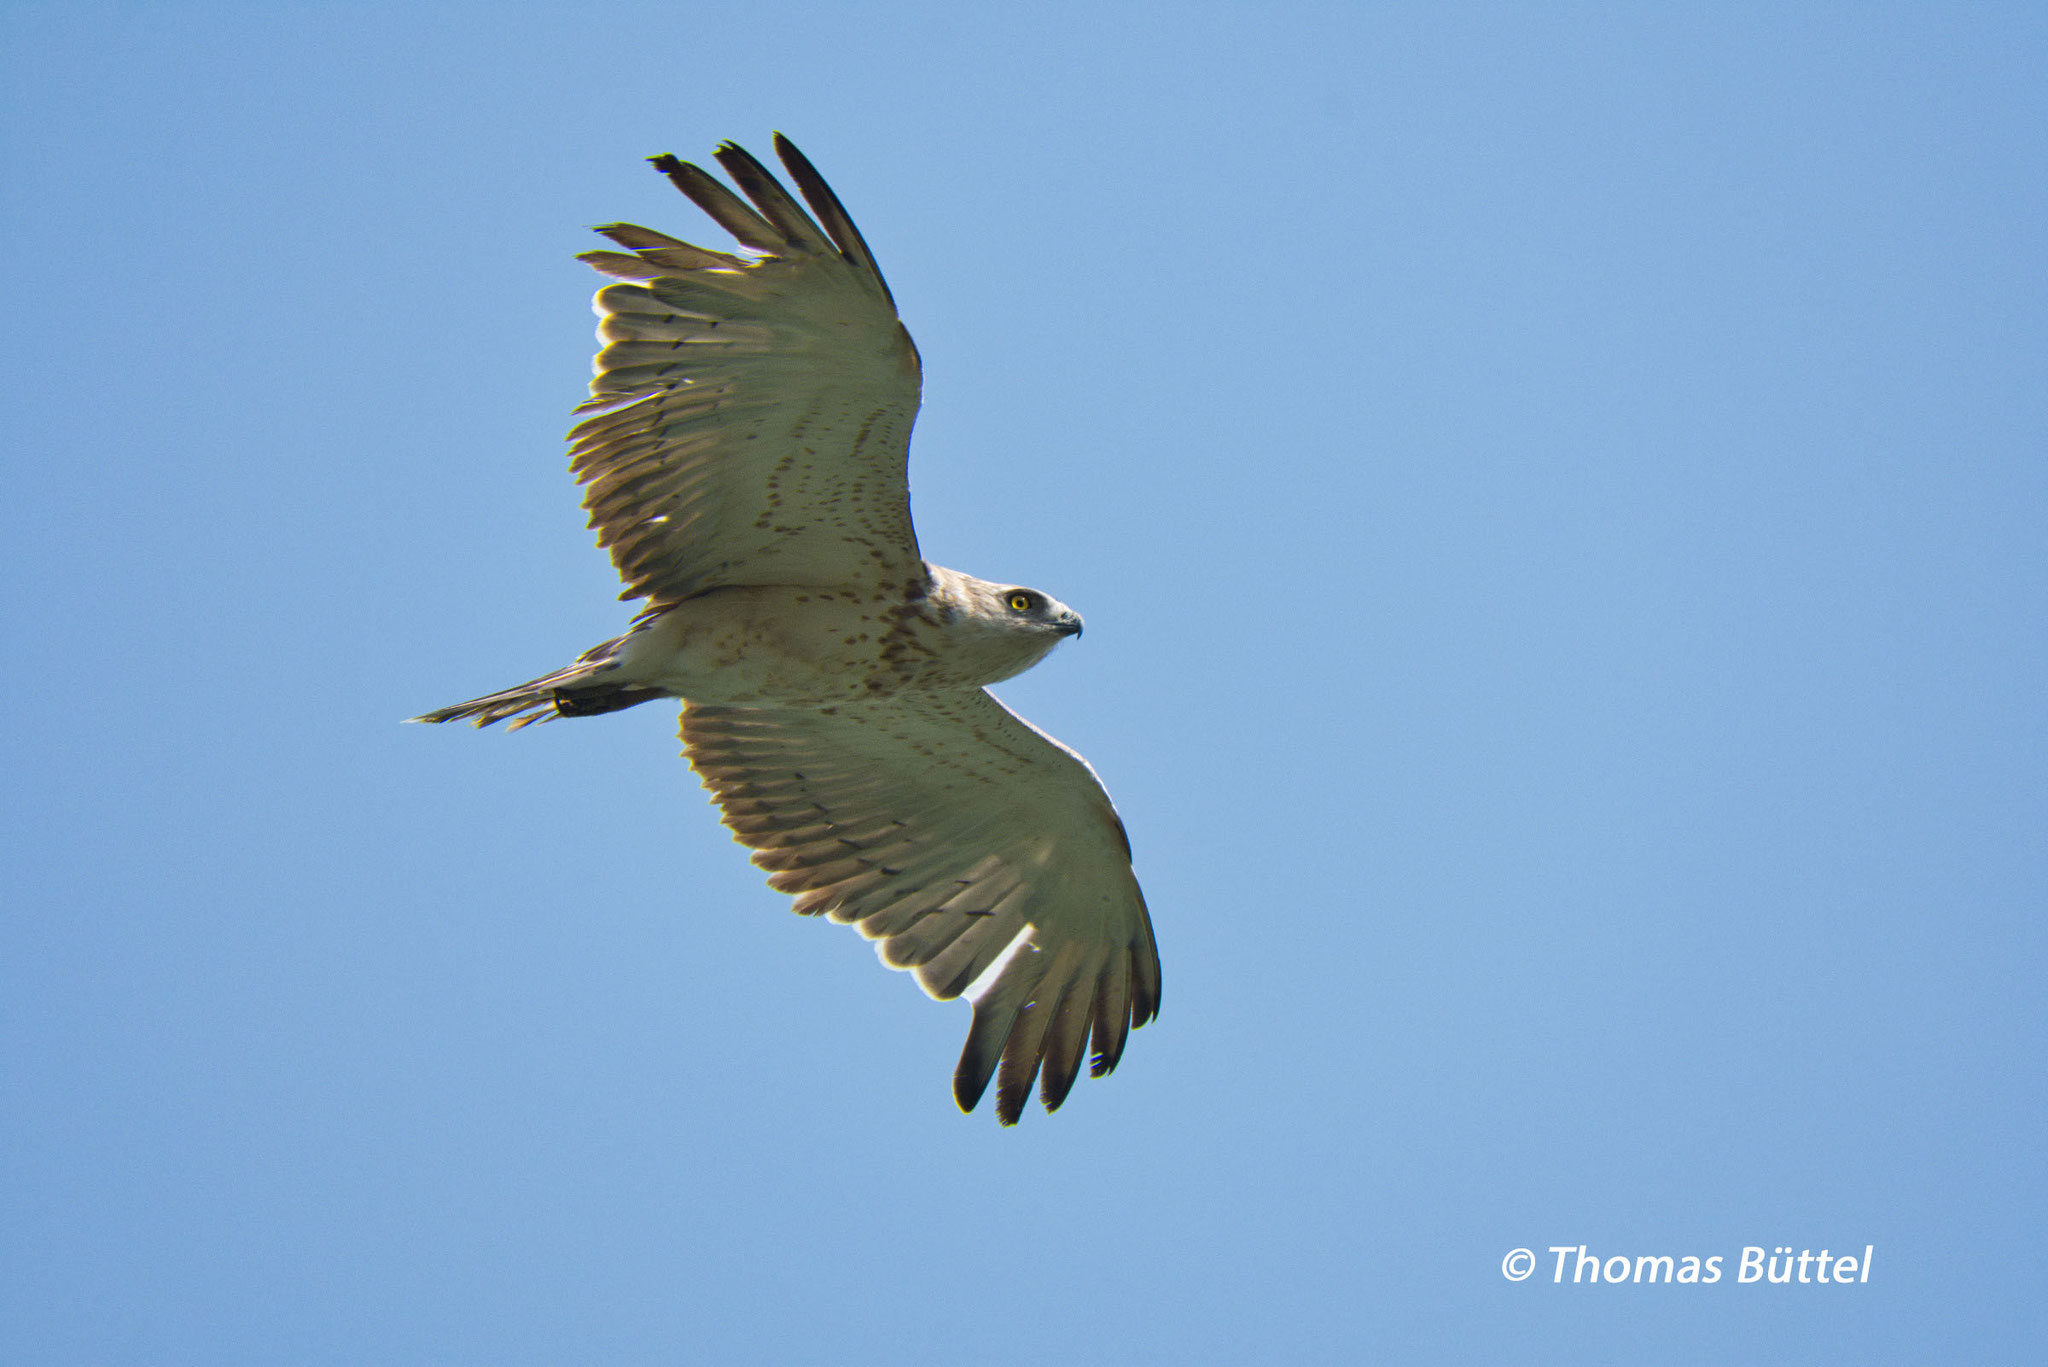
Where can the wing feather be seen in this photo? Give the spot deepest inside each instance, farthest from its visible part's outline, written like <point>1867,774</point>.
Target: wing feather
<point>975,850</point>
<point>760,185</point>
<point>663,249</point>
<point>1024,1051</point>
<point>830,211</point>
<point>1111,1025</point>
<point>1067,1038</point>
<point>725,208</point>
<point>988,1035</point>
<point>749,419</point>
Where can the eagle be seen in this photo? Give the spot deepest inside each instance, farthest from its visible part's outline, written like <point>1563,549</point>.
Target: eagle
<point>744,461</point>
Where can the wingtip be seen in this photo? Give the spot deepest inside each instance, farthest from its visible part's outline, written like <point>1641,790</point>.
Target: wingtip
<point>970,1083</point>
<point>1010,1101</point>
<point>970,1080</point>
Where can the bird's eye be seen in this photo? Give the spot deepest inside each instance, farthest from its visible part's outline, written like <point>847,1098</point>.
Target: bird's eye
<point>1020,602</point>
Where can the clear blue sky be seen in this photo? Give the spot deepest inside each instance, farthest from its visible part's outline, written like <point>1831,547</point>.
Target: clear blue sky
<point>1558,495</point>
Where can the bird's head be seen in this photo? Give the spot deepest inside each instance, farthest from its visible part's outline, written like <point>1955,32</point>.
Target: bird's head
<point>1007,627</point>
<point>1035,614</point>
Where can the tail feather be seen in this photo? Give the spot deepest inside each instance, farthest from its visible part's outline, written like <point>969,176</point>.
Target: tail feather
<point>527,703</point>
<point>577,691</point>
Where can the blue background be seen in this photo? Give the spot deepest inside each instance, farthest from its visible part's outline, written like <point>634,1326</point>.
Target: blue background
<point>1558,495</point>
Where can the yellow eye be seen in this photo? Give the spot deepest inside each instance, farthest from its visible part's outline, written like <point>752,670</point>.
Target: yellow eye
<point>1020,602</point>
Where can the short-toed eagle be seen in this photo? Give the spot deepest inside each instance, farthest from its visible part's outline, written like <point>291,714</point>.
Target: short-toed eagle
<point>744,463</point>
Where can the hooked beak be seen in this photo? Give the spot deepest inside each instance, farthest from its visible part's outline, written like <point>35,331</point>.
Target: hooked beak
<point>1070,625</point>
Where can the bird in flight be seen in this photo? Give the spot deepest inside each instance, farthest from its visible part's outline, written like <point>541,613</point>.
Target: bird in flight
<point>744,462</point>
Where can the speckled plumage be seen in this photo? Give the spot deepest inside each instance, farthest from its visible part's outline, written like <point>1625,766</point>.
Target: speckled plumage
<point>744,465</point>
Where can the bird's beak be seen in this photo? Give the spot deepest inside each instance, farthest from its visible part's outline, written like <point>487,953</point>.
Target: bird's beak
<point>1070,625</point>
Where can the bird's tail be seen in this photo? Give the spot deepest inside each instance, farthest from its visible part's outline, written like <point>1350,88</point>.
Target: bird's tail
<point>580,690</point>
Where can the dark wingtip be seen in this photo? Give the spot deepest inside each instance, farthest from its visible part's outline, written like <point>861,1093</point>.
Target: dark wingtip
<point>668,163</point>
<point>1053,1089</point>
<point>838,224</point>
<point>976,1069</point>
<point>1010,1106</point>
<point>970,1080</point>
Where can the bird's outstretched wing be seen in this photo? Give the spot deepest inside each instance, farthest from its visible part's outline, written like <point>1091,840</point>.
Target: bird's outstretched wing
<point>752,415</point>
<point>945,827</point>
